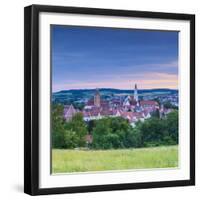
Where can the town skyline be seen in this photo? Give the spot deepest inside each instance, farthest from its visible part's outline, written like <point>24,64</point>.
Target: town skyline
<point>108,88</point>
<point>89,58</point>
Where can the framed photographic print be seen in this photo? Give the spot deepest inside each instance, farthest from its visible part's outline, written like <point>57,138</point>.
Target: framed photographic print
<point>109,100</point>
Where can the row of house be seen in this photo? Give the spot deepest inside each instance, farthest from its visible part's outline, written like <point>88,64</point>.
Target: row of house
<point>131,108</point>
<point>132,117</point>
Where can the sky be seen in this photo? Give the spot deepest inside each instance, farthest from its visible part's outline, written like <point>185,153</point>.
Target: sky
<point>91,57</point>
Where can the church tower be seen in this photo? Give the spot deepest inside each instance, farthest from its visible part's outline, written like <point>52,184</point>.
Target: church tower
<point>97,100</point>
<point>136,93</point>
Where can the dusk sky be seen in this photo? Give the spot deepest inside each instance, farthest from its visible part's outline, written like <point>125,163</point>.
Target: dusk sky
<point>90,57</point>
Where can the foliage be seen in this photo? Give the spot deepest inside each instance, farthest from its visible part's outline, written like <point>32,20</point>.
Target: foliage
<point>57,126</point>
<point>78,106</point>
<point>67,134</point>
<point>90,125</point>
<point>113,132</point>
<point>172,126</point>
<point>116,133</point>
<point>151,131</point>
<point>78,126</point>
<point>156,113</point>
<point>156,132</point>
<point>168,105</point>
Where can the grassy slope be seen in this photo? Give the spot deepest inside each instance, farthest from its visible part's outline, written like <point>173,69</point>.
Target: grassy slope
<point>82,161</point>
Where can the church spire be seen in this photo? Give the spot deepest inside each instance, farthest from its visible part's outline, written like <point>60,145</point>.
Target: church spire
<point>135,86</point>
<point>136,93</point>
<point>97,98</point>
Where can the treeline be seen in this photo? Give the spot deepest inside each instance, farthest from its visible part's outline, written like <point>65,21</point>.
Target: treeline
<point>118,133</point>
<point>113,133</point>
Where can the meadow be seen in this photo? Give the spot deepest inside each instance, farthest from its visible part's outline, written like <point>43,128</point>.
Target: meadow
<point>65,161</point>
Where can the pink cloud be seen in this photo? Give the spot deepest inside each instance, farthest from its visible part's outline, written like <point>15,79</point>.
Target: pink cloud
<point>146,81</point>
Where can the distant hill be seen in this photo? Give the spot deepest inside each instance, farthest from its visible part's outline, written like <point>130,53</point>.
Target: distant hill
<point>114,91</point>
<point>82,95</point>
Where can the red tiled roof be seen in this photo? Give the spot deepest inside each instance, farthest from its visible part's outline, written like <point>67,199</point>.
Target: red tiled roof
<point>146,112</point>
<point>132,116</point>
<point>69,112</point>
<point>149,103</point>
<point>137,114</point>
<point>106,112</point>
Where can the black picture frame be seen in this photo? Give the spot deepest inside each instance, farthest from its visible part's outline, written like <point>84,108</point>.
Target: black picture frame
<point>31,99</point>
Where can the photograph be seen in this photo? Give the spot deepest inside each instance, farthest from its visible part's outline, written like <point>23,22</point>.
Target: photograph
<point>114,99</point>
<point>109,99</point>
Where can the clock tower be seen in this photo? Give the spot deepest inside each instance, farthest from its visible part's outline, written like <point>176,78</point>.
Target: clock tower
<point>97,99</point>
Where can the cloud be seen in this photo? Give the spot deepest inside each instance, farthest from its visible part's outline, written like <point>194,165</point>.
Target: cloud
<point>145,81</point>
<point>169,64</point>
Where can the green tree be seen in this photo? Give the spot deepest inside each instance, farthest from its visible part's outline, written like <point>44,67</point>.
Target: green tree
<point>101,129</point>
<point>168,105</point>
<point>113,133</point>
<point>152,131</point>
<point>67,134</point>
<point>172,126</point>
<point>155,131</point>
<point>134,138</point>
<point>78,126</point>
<point>78,106</point>
<point>70,139</point>
<point>155,113</point>
<point>57,126</point>
<point>90,125</point>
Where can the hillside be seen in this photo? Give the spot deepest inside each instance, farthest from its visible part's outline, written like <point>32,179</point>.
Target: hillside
<point>83,95</point>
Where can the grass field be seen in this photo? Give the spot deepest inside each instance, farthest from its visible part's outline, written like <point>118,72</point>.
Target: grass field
<point>100,160</point>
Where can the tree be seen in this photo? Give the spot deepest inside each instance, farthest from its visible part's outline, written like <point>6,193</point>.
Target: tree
<point>132,138</point>
<point>172,126</point>
<point>67,134</point>
<point>168,105</point>
<point>70,139</point>
<point>156,113</point>
<point>119,123</point>
<point>152,131</point>
<point>113,133</point>
<point>78,126</point>
<point>156,132</point>
<point>57,126</point>
<point>78,106</point>
<point>90,125</point>
<point>157,100</point>
<point>101,129</point>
